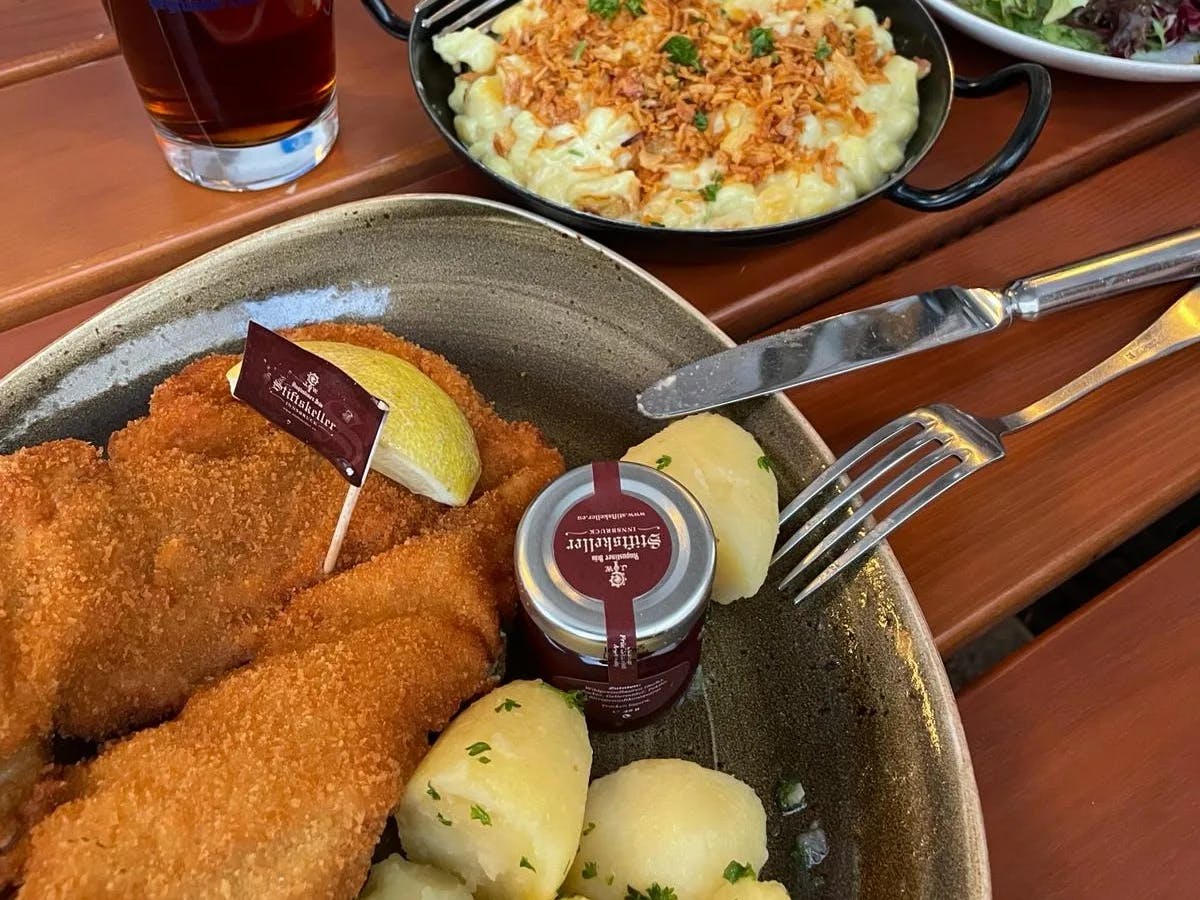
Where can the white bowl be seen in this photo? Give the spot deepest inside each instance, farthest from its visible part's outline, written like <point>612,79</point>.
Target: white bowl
<point>1065,58</point>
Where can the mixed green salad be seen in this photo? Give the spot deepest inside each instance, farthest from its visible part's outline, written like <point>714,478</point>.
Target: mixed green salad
<point>1117,27</point>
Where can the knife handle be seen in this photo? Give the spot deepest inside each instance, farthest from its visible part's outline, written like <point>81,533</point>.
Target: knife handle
<point>1172,258</point>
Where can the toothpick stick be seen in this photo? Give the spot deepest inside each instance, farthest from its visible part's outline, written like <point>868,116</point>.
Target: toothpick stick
<point>343,522</point>
<point>343,525</point>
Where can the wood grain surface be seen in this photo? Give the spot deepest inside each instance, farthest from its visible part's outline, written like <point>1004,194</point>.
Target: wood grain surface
<point>95,207</point>
<point>98,208</point>
<point>42,36</point>
<point>1086,747</point>
<point>1077,484</point>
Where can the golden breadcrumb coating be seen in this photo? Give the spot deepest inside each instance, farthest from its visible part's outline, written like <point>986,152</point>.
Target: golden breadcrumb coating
<point>276,781</point>
<point>133,579</point>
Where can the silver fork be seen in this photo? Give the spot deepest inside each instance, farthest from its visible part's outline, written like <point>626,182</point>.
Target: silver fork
<point>435,16</point>
<point>933,434</point>
<point>438,15</point>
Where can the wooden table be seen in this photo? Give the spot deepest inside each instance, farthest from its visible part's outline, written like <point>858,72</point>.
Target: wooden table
<point>1087,742</point>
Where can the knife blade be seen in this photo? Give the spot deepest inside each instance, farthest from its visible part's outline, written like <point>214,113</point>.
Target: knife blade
<point>865,337</point>
<point>838,344</point>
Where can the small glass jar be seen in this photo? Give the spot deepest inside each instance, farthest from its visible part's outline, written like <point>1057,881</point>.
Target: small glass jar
<point>614,563</point>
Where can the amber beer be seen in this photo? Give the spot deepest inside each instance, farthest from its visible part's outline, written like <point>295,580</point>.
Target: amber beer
<point>232,74</point>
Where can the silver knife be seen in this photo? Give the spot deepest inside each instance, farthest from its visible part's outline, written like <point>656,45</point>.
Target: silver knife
<point>909,325</point>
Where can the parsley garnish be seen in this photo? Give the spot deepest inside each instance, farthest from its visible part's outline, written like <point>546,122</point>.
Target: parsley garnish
<point>485,759</point>
<point>574,699</point>
<point>508,705</point>
<point>700,120</point>
<point>682,51</point>
<point>577,53</point>
<point>444,820</point>
<point>480,814</point>
<point>736,871</point>
<point>764,463</point>
<point>609,880</point>
<point>635,7</point>
<point>662,462</point>
<point>589,870</point>
<point>588,828</point>
<point>478,747</point>
<point>431,792</point>
<point>823,51</point>
<point>575,152</point>
<point>605,9</point>
<point>762,42</point>
<point>654,892</point>
<point>709,191</point>
<point>790,796</point>
<point>526,864</point>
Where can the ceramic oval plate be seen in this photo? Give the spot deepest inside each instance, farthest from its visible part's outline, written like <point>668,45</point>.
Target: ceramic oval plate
<point>844,693</point>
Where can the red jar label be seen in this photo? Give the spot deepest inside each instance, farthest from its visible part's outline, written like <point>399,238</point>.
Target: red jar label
<point>615,705</point>
<point>614,548</point>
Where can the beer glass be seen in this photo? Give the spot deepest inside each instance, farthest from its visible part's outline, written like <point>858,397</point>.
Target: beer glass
<point>240,92</point>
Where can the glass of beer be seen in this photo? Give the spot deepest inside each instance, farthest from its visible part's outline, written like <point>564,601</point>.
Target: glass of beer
<point>240,92</point>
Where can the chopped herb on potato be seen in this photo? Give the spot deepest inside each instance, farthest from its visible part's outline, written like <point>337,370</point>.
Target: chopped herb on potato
<point>736,871</point>
<point>479,814</point>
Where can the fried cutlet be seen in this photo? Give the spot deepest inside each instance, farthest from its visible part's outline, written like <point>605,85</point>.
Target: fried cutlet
<point>131,579</point>
<point>275,783</point>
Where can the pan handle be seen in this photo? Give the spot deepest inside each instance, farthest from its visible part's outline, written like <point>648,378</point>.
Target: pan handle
<point>395,25</point>
<point>1015,149</point>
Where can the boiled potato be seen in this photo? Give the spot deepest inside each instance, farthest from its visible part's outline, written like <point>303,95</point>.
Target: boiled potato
<point>749,889</point>
<point>499,798</point>
<point>398,879</point>
<point>668,822</point>
<point>726,470</point>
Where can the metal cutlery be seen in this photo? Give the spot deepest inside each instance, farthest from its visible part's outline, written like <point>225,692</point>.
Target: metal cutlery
<point>928,437</point>
<point>909,325</point>
<point>439,15</point>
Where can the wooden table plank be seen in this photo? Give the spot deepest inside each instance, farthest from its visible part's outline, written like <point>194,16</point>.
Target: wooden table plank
<point>1078,484</point>
<point>1086,747</point>
<point>98,208</point>
<point>40,37</point>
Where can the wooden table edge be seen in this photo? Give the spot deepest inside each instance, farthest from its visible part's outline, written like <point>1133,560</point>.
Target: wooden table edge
<point>47,62</point>
<point>1176,555</point>
<point>1020,593</point>
<point>54,293</point>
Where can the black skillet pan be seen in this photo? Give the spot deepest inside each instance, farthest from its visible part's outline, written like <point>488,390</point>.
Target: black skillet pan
<point>915,35</point>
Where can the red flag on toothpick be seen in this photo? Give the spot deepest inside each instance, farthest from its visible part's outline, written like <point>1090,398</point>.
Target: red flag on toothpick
<point>315,401</point>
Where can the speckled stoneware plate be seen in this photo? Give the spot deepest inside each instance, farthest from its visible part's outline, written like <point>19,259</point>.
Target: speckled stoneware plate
<point>845,693</point>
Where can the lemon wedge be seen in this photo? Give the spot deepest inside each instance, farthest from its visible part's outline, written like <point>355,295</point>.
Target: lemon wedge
<point>727,472</point>
<point>427,444</point>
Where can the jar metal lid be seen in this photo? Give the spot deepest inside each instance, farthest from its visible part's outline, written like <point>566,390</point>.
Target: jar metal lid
<point>571,544</point>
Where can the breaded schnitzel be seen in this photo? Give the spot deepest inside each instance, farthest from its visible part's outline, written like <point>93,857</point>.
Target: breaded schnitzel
<point>131,580</point>
<point>276,781</point>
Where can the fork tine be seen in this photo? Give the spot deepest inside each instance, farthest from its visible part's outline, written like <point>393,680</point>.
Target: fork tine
<point>428,9</point>
<point>876,536</point>
<point>476,13</point>
<point>893,487</point>
<point>860,483</point>
<point>844,462</point>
